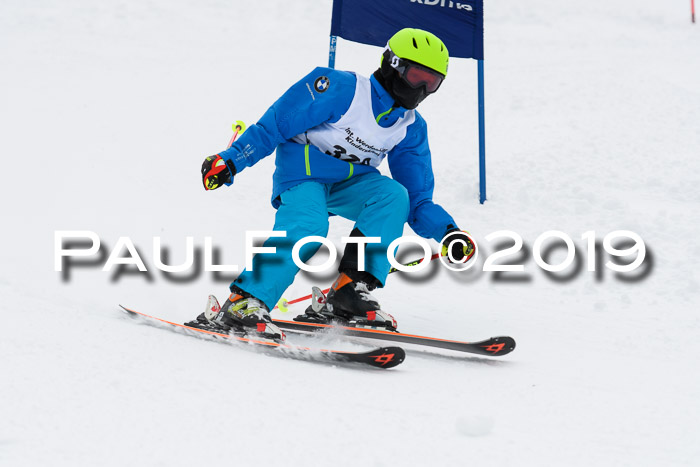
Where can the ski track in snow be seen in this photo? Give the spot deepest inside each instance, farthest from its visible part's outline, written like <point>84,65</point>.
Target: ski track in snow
<point>593,123</point>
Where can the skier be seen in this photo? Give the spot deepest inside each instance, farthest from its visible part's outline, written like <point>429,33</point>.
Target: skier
<point>331,130</point>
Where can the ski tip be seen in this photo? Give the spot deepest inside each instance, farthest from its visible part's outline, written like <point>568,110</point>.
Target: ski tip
<point>497,346</point>
<point>385,357</point>
<point>129,312</point>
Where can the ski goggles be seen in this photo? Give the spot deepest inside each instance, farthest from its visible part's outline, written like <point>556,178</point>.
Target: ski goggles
<point>414,74</point>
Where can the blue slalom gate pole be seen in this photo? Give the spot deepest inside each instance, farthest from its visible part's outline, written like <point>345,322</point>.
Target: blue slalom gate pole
<point>482,135</point>
<point>331,51</point>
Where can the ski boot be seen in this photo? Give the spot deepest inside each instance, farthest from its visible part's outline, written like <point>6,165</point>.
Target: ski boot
<point>241,314</point>
<point>349,303</point>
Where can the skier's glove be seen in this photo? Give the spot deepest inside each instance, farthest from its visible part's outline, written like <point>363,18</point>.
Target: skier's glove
<point>458,243</point>
<point>216,172</point>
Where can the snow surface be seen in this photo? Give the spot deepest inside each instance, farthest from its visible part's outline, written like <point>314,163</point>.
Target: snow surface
<point>593,124</point>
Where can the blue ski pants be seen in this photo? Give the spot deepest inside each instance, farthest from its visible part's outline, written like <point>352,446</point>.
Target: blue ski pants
<point>378,204</point>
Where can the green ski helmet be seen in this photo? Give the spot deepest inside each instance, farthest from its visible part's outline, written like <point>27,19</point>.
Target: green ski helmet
<point>413,65</point>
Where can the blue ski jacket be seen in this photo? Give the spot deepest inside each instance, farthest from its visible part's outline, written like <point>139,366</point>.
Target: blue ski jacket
<point>303,107</point>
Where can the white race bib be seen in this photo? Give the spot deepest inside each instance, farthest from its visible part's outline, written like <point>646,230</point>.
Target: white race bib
<point>357,137</point>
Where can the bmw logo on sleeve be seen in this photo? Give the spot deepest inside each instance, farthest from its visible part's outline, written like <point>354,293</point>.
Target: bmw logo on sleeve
<point>321,84</point>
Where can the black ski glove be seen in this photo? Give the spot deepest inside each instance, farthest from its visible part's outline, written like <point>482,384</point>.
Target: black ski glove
<point>216,172</point>
<point>458,243</point>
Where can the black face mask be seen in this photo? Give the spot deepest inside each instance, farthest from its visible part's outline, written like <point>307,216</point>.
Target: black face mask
<point>407,96</point>
<point>404,95</point>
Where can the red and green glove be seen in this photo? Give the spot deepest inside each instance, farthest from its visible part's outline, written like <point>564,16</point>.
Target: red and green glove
<point>459,244</point>
<point>216,172</point>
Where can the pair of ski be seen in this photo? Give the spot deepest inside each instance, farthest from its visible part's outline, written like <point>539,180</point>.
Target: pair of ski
<point>381,357</point>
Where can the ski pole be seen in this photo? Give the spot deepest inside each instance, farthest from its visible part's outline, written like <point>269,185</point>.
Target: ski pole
<point>282,304</point>
<point>238,128</point>
<point>416,262</point>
